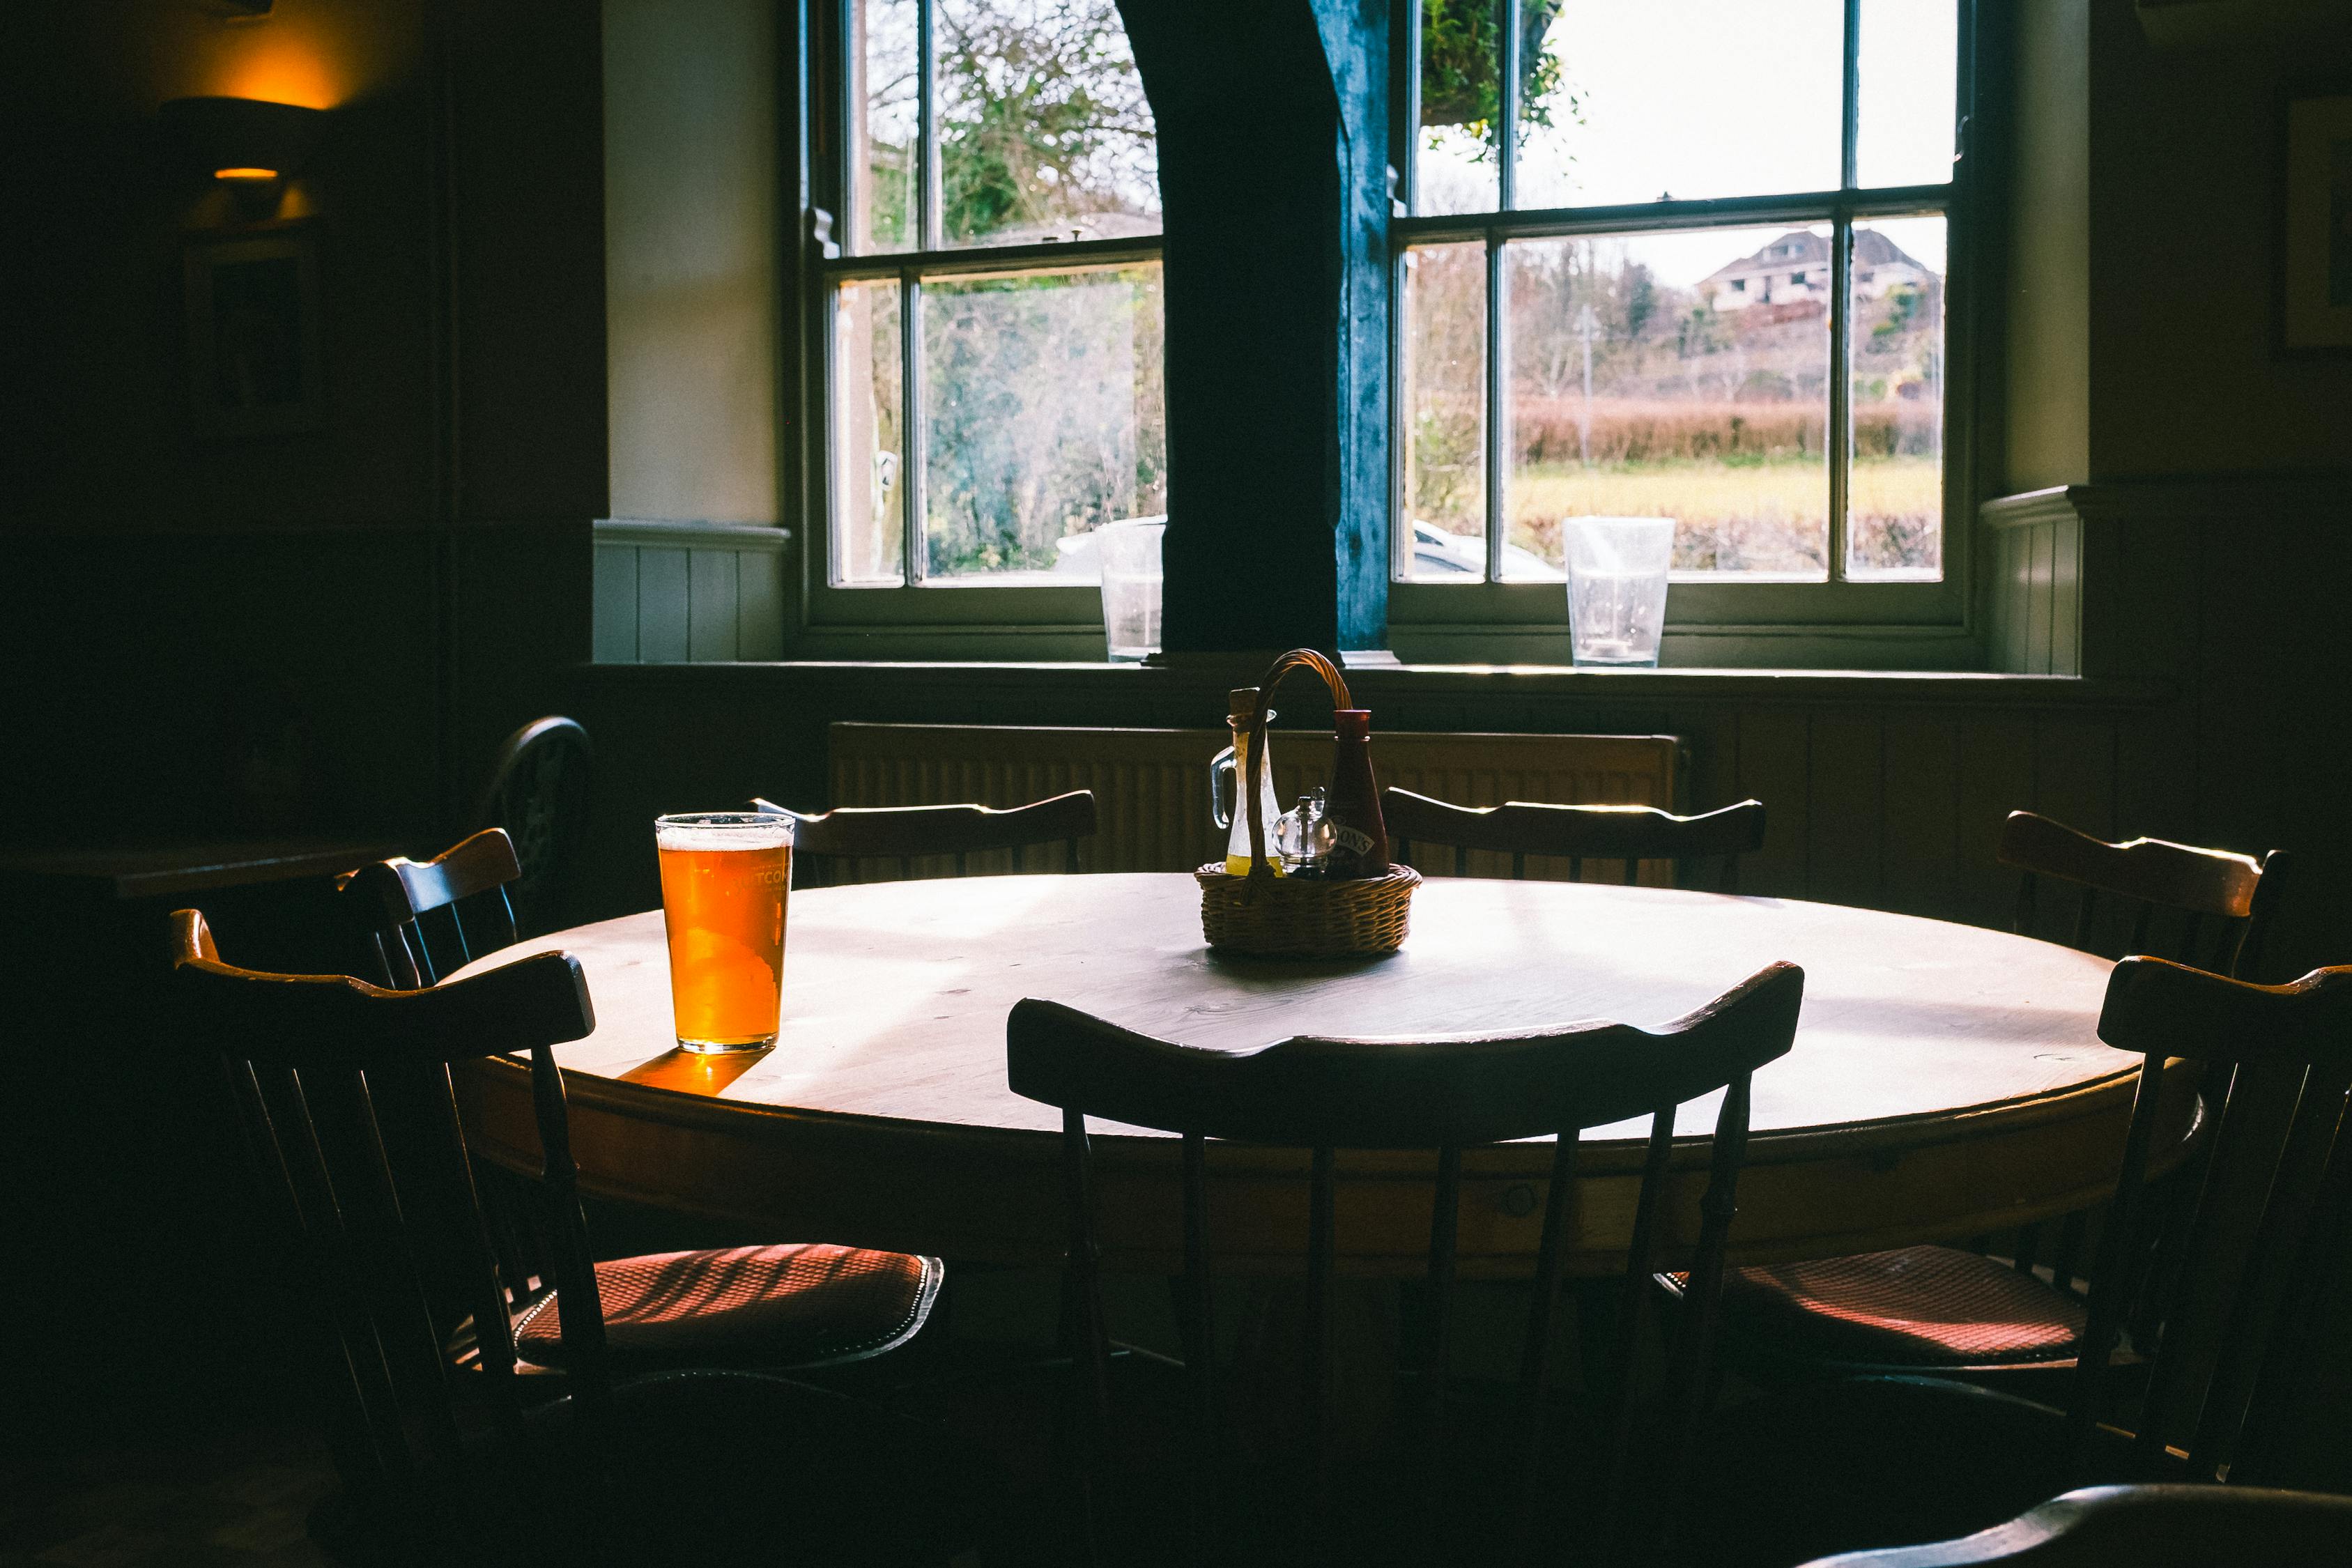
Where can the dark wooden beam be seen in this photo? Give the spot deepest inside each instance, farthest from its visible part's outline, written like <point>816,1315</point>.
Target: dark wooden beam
<point>1272,127</point>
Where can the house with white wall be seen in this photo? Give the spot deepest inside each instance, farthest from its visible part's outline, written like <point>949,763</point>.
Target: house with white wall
<point>1796,267</point>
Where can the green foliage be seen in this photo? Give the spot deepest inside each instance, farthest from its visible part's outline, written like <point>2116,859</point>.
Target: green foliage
<point>1043,415</point>
<point>1042,117</point>
<point>1461,68</point>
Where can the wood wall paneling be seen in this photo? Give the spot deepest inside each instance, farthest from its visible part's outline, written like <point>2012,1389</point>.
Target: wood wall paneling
<point>710,606</point>
<point>2066,596</point>
<point>518,594</point>
<point>759,604</point>
<point>2074,773</point>
<point>664,595</point>
<point>614,610</point>
<point>677,593</point>
<point>2035,599</point>
<point>2040,578</point>
<point>1845,810</point>
<point>1773,767</point>
<point>1996,777</point>
<point>1918,851</point>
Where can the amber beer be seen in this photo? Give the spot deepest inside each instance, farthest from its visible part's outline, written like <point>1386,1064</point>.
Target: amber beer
<point>725,877</point>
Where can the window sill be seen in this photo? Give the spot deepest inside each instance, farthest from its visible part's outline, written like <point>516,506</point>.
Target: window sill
<point>1210,675</point>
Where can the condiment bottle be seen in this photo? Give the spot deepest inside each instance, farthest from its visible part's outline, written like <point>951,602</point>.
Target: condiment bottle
<point>1360,838</point>
<point>1304,836</point>
<point>1242,707</point>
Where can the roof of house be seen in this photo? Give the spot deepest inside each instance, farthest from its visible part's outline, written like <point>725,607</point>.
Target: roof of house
<point>1870,248</point>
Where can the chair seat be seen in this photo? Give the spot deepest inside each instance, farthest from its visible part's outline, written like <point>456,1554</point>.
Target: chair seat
<point>1913,1307</point>
<point>748,1306</point>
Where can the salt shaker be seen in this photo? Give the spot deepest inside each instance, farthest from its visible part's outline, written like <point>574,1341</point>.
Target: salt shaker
<point>1303,836</point>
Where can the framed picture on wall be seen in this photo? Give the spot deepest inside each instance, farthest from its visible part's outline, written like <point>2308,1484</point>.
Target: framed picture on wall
<point>256,365</point>
<point>2314,292</point>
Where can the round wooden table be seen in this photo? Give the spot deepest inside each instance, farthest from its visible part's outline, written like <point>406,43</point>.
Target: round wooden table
<point>1946,1081</point>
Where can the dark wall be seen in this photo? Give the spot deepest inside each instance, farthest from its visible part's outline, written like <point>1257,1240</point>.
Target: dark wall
<point>229,638</point>
<point>2186,147</point>
<point>189,617</point>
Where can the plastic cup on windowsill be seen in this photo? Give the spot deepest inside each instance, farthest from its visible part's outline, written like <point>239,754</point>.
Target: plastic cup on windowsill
<point>1617,589</point>
<point>1127,555</point>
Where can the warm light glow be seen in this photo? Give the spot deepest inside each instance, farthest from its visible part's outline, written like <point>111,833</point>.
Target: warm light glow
<point>254,174</point>
<point>284,72</point>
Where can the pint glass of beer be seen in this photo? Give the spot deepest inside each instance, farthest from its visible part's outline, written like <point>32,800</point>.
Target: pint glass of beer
<point>724,879</point>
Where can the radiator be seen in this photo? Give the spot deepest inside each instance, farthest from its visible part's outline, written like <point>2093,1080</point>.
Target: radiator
<point>1151,789</point>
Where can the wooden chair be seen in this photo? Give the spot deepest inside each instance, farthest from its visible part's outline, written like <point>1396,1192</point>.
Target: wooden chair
<point>1443,1095</point>
<point>1627,834</point>
<point>538,791</point>
<point>461,894</point>
<point>837,840</point>
<point>345,1093</point>
<point>1878,1453</point>
<point>1986,1310</point>
<point>2220,904</point>
<point>2145,1527</point>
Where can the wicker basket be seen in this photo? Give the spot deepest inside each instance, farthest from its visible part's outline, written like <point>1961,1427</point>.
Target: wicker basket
<point>1290,917</point>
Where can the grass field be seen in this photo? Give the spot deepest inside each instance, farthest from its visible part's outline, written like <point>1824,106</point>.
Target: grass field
<point>1766,516</point>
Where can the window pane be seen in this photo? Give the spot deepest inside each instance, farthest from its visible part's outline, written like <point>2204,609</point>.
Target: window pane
<point>1681,98</point>
<point>1454,165</point>
<point>1043,414</point>
<point>884,156</point>
<point>1444,381</point>
<point>1707,398</point>
<point>1894,499</point>
<point>1909,84</point>
<point>868,446</point>
<point>1043,131</point>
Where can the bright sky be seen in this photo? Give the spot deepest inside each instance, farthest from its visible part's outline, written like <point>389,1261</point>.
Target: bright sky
<point>1726,98</point>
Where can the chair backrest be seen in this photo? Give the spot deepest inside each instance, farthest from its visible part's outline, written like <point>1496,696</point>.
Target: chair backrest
<point>1444,1094</point>
<point>1627,834</point>
<point>2224,901</point>
<point>2146,1527</point>
<point>2165,1011</point>
<point>461,894</point>
<point>836,840</point>
<point>344,1090</point>
<point>538,791</point>
<point>2210,908</point>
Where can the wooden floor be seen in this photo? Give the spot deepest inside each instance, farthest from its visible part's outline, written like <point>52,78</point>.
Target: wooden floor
<point>231,1499</point>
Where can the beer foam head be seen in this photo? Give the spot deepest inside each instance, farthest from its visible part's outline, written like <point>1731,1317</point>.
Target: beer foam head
<point>723,830</point>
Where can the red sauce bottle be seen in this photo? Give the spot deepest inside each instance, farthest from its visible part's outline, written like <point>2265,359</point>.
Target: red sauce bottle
<point>1360,837</point>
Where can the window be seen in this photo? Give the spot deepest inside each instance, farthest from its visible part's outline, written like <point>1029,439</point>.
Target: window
<point>991,346</point>
<point>1685,259</point>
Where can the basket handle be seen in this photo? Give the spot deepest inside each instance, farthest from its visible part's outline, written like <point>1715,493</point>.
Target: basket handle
<point>1259,767</point>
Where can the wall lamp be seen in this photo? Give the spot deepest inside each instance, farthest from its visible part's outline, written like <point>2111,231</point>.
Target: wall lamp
<point>242,141</point>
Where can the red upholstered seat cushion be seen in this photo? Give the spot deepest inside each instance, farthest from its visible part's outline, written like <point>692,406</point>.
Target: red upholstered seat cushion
<point>1915,1306</point>
<point>748,1306</point>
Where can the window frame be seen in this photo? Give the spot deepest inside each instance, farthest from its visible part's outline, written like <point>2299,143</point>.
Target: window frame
<point>1889,624</point>
<point>975,616</point>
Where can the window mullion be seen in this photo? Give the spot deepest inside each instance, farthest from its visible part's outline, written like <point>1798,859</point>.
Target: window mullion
<point>913,438</point>
<point>1499,385</point>
<point>1498,303</point>
<point>1838,439</point>
<point>1406,15</point>
<point>1506,138</point>
<point>927,85</point>
<point>916,439</point>
<point>1850,116</point>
